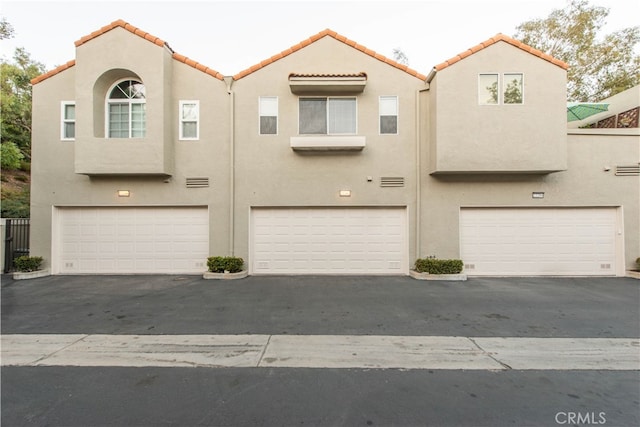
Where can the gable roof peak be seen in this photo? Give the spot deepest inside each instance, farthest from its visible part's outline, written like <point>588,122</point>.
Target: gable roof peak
<point>493,40</point>
<point>333,34</point>
<point>138,32</point>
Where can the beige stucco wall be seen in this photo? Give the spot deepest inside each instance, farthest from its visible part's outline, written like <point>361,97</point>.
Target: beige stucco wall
<point>527,137</point>
<point>55,182</point>
<point>100,63</point>
<point>584,184</point>
<point>269,173</point>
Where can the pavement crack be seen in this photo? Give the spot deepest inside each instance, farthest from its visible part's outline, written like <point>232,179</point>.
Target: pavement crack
<point>507,367</point>
<point>46,356</point>
<point>264,350</point>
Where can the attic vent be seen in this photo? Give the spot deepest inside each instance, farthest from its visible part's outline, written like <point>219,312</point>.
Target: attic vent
<point>197,182</point>
<point>628,170</point>
<point>392,181</point>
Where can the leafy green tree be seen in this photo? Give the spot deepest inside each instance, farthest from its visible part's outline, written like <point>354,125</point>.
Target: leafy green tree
<point>15,97</point>
<point>10,156</point>
<point>599,65</point>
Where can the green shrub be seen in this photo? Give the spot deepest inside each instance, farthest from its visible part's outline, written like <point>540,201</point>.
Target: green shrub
<point>638,263</point>
<point>439,266</point>
<point>220,264</point>
<point>28,263</point>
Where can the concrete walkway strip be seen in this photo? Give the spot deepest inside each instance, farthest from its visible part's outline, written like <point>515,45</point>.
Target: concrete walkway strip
<point>564,353</point>
<point>322,351</point>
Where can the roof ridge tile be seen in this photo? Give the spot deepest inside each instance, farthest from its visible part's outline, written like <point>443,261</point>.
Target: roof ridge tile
<point>338,37</point>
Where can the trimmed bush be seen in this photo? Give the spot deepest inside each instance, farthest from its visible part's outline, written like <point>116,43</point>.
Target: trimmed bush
<point>28,263</point>
<point>638,263</point>
<point>220,264</point>
<point>439,266</point>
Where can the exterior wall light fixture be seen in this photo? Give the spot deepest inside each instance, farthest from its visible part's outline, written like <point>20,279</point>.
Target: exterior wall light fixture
<point>537,195</point>
<point>345,193</point>
<point>124,193</point>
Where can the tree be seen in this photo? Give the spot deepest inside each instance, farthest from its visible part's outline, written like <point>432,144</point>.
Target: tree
<point>6,29</point>
<point>10,156</point>
<point>599,66</point>
<point>15,97</point>
<point>400,57</point>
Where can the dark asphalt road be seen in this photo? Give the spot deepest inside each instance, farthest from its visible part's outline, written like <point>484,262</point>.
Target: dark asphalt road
<point>530,307</point>
<point>509,307</point>
<point>82,397</point>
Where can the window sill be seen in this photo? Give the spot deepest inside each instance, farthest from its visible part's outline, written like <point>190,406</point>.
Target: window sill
<point>327,143</point>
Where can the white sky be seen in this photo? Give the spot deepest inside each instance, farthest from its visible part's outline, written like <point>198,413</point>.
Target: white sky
<point>230,36</point>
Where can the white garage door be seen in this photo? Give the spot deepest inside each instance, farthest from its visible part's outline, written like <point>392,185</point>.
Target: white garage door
<point>531,241</point>
<point>329,241</point>
<point>132,240</point>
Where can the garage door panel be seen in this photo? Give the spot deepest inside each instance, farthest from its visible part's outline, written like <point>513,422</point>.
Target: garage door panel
<point>536,241</point>
<point>329,241</point>
<point>132,240</point>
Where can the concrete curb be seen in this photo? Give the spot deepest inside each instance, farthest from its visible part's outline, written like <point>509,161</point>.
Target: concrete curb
<point>633,274</point>
<point>447,277</point>
<point>225,276</point>
<point>25,275</point>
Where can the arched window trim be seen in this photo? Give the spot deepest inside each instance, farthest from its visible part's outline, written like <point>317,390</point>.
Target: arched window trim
<point>133,107</point>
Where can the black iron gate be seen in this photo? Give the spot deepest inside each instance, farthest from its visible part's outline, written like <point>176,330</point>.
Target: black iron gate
<point>16,241</point>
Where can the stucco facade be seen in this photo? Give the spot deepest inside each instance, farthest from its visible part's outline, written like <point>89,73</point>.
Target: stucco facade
<point>443,153</point>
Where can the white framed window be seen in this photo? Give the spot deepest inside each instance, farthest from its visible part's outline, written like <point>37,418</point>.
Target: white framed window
<point>189,113</point>
<point>327,116</point>
<point>488,89</point>
<point>268,115</point>
<point>493,90</point>
<point>126,110</point>
<point>388,111</point>
<point>68,122</point>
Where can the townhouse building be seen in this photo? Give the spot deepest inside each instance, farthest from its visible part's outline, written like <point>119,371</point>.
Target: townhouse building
<point>325,158</point>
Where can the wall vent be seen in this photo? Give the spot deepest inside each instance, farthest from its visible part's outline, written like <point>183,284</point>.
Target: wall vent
<point>628,170</point>
<point>605,266</point>
<point>469,266</point>
<point>391,181</point>
<point>197,182</point>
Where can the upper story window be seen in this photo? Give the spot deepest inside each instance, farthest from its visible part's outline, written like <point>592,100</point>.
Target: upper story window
<point>126,110</point>
<point>327,116</point>
<point>493,91</point>
<point>268,112</point>
<point>189,120</point>
<point>388,115</point>
<point>68,123</point>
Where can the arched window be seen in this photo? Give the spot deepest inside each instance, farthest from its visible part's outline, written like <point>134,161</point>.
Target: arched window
<point>126,110</point>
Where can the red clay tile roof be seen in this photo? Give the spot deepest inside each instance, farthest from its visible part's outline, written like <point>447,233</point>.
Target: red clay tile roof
<point>53,72</point>
<point>489,42</point>
<point>137,31</point>
<point>361,74</point>
<point>317,37</point>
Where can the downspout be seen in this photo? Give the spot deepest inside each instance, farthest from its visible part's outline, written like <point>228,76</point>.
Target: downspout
<point>418,245</point>
<point>232,169</point>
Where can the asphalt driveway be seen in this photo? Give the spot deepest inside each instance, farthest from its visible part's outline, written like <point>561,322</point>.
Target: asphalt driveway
<point>310,305</point>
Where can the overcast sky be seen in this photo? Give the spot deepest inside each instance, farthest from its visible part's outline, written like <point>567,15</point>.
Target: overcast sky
<point>230,36</point>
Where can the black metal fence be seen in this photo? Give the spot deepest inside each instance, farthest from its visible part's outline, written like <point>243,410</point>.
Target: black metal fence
<point>16,241</point>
